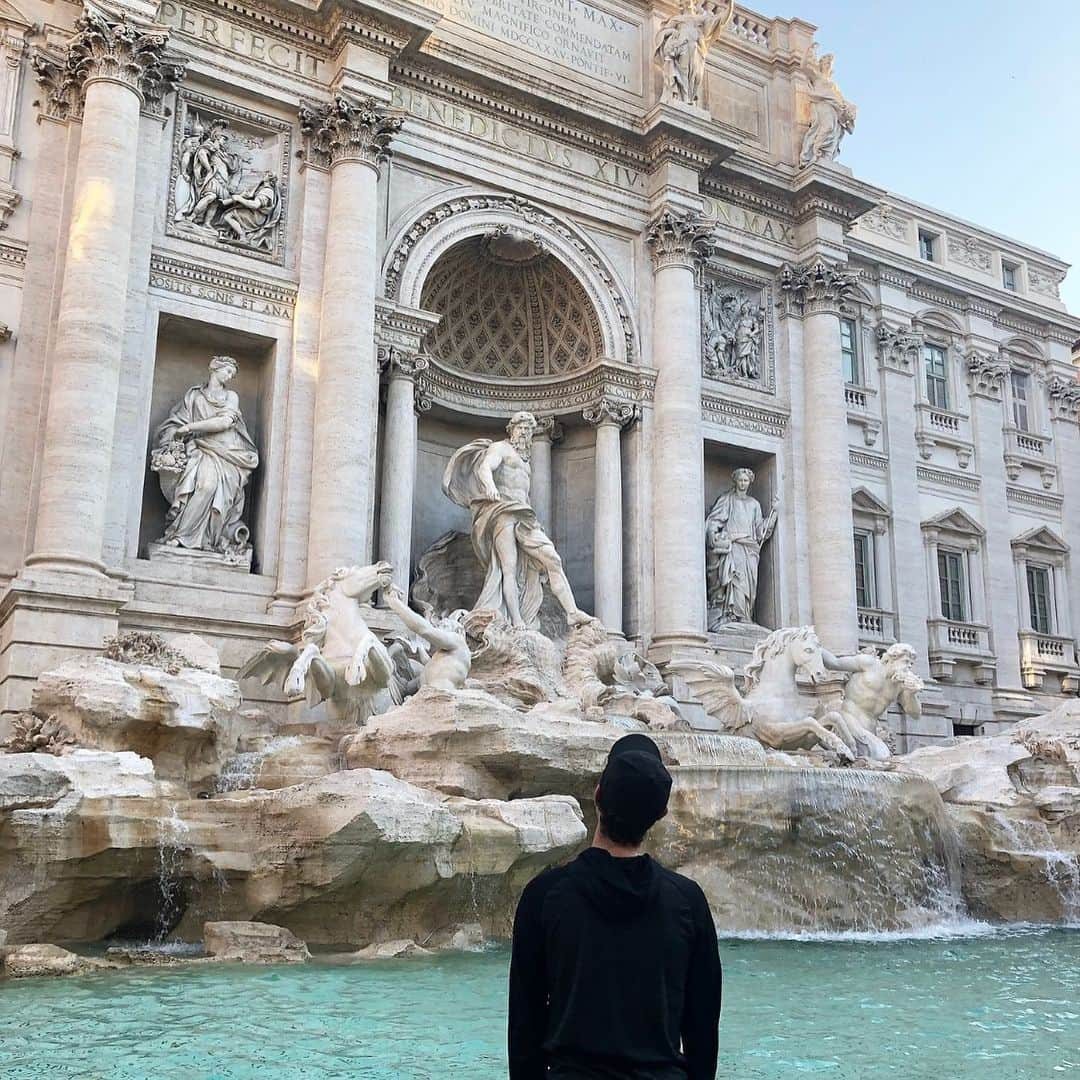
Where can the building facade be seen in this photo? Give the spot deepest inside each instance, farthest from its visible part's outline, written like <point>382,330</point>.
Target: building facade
<point>406,222</point>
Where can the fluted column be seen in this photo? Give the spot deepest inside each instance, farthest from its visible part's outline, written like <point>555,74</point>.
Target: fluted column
<point>399,462</point>
<point>676,240</point>
<point>1065,423</point>
<point>608,417</point>
<point>115,61</point>
<point>548,431</point>
<point>350,137</point>
<point>816,292</point>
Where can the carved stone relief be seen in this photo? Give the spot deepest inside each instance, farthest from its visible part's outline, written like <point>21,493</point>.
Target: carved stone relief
<point>736,337</point>
<point>969,252</point>
<point>886,221</point>
<point>227,184</point>
<point>1045,282</point>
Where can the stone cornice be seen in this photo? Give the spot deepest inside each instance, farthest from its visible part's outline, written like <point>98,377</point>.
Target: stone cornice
<point>618,383</point>
<point>677,237</point>
<point>815,287</point>
<point>401,327</point>
<point>202,281</point>
<point>935,284</point>
<point>347,129</point>
<point>721,408</point>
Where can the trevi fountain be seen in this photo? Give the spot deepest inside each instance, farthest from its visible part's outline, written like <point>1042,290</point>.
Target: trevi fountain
<point>399,403</point>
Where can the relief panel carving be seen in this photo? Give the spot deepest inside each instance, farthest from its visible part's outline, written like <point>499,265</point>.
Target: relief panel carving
<point>736,334</point>
<point>227,184</point>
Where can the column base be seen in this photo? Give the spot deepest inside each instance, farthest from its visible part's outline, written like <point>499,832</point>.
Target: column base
<point>47,617</point>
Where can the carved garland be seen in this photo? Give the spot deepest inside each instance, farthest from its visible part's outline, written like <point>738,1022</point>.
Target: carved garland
<point>528,213</point>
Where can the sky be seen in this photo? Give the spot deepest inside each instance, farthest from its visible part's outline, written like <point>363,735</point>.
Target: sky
<point>969,106</point>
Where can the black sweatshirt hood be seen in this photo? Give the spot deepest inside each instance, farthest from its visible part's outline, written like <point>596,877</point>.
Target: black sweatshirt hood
<point>615,888</point>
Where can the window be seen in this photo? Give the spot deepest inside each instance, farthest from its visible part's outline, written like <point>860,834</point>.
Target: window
<point>927,246</point>
<point>864,570</point>
<point>960,729</point>
<point>1038,583</point>
<point>937,376</point>
<point>849,349</point>
<point>953,588</point>
<point>1008,276</point>
<point>1020,382</point>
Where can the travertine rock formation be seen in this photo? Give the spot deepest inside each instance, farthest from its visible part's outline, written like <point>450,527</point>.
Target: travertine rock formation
<point>1014,799</point>
<point>253,943</point>
<point>95,845</point>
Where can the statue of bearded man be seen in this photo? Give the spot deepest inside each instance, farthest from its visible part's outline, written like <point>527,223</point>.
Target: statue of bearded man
<point>491,480</point>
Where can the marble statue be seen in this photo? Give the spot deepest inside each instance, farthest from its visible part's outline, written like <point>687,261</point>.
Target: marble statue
<point>491,479</point>
<point>875,684</point>
<point>732,333</point>
<point>204,457</point>
<point>771,706</point>
<point>735,532</point>
<point>447,665</point>
<point>213,193</point>
<point>612,680</point>
<point>683,43</point>
<point>339,660</point>
<point>832,116</point>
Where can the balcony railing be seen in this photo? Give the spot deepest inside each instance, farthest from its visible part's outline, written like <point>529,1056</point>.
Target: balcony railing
<point>1047,651</point>
<point>876,626</point>
<point>951,643</point>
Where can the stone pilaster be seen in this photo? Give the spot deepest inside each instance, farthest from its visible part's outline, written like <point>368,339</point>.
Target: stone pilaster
<point>109,61</point>
<point>609,417</point>
<point>986,374</point>
<point>816,292</point>
<point>899,351</point>
<point>399,461</point>
<point>1064,397</point>
<point>548,431</point>
<point>349,137</point>
<point>677,239</point>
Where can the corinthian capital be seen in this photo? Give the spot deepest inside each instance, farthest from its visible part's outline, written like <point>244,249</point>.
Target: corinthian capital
<point>610,411</point>
<point>116,49</point>
<point>1064,398</point>
<point>815,287</point>
<point>986,372</point>
<point>899,348</point>
<point>348,129</point>
<point>677,237</point>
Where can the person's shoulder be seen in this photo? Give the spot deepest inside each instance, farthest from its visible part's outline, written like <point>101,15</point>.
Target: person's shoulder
<point>544,882</point>
<point>684,886</point>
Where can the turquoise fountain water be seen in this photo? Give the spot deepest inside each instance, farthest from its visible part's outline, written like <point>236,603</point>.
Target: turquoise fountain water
<point>1002,1005</point>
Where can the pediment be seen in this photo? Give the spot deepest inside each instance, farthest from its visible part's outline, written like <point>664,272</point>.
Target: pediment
<point>10,15</point>
<point>955,521</point>
<point>1041,538</point>
<point>864,501</point>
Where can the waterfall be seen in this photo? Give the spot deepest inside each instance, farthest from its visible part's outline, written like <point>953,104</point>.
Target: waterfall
<point>241,771</point>
<point>1031,838</point>
<point>814,850</point>
<point>172,845</point>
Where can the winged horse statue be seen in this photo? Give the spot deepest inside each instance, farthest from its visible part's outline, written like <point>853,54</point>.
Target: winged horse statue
<point>771,710</point>
<point>338,659</point>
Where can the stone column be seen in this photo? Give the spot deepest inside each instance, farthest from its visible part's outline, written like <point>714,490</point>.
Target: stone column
<point>986,374</point>
<point>115,60</point>
<point>399,462</point>
<point>608,417</point>
<point>816,291</point>
<point>899,352</point>
<point>548,431</point>
<point>350,137</point>
<point>677,239</point>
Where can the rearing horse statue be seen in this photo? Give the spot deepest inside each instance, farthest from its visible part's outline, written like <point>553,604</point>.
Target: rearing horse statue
<point>771,710</point>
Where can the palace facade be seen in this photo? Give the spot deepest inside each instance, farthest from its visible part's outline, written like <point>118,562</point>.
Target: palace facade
<point>407,221</point>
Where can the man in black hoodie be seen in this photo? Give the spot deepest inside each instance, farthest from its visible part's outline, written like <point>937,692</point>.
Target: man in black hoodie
<point>615,971</point>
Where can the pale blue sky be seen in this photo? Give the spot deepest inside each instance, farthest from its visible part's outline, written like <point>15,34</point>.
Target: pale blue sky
<point>970,106</point>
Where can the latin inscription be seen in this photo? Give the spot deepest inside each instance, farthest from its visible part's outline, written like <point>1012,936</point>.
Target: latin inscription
<point>219,294</point>
<point>571,33</point>
<point>239,39</point>
<point>738,217</point>
<point>517,140</point>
